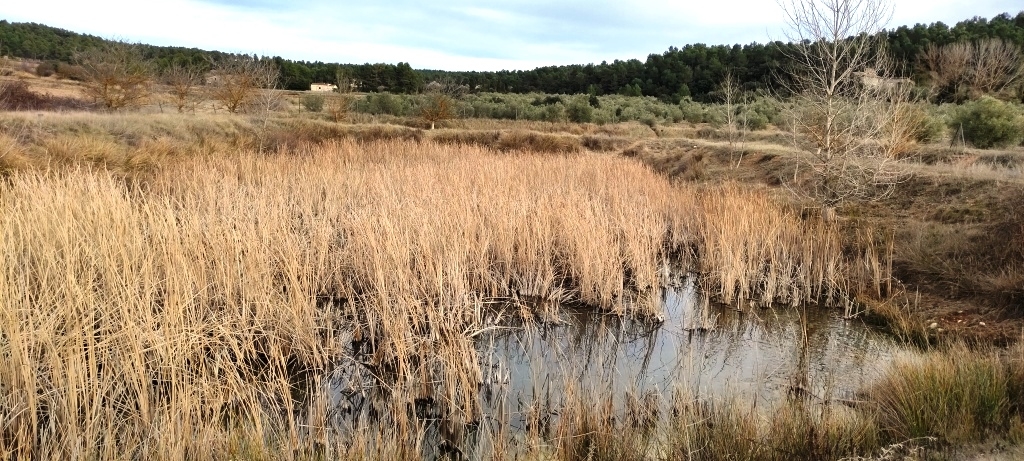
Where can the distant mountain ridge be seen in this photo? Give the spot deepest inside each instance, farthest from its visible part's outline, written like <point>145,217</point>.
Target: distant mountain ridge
<point>691,71</point>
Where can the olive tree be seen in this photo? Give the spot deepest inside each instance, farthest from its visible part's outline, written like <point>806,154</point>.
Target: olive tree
<point>847,103</point>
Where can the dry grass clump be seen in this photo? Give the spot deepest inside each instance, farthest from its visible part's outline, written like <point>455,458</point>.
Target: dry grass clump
<point>12,155</point>
<point>516,140</point>
<point>605,143</point>
<point>529,141</point>
<point>576,129</point>
<point>17,96</point>
<point>466,137</point>
<point>797,430</point>
<point>956,395</point>
<point>135,322</point>
<point>968,249</point>
<point>134,329</point>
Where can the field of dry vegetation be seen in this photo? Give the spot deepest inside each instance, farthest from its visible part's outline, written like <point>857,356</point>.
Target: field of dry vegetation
<point>196,286</point>
<point>180,296</point>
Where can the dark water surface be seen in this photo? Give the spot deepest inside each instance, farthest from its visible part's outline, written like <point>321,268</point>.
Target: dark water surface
<point>710,351</point>
<point>531,372</point>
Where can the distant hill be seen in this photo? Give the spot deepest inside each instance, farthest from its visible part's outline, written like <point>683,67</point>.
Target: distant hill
<point>691,71</point>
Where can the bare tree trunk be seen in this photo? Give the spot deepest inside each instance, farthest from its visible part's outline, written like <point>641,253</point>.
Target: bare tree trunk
<point>846,96</point>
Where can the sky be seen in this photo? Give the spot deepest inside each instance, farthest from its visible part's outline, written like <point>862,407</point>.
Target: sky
<point>451,34</point>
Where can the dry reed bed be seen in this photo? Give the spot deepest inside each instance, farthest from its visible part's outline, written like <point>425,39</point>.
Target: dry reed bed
<point>198,314</point>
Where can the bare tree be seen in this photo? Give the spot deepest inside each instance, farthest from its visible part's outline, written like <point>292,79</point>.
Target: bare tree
<point>845,98</point>
<point>729,90</point>
<point>997,65</point>
<point>339,104</point>
<point>438,107</point>
<point>971,69</point>
<point>237,82</point>
<point>183,82</point>
<point>947,67</point>
<point>115,75</point>
<point>448,87</point>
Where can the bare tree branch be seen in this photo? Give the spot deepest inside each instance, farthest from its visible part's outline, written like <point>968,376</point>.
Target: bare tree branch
<point>972,69</point>
<point>183,83</point>
<point>116,76</point>
<point>846,98</point>
<point>236,82</point>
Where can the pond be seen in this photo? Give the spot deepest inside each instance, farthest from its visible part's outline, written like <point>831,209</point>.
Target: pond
<point>529,373</point>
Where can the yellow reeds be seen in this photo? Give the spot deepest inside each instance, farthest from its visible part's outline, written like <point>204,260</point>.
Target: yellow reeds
<point>199,312</point>
<point>756,251</point>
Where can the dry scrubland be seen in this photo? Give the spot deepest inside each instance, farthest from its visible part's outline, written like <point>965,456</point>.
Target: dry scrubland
<point>180,287</point>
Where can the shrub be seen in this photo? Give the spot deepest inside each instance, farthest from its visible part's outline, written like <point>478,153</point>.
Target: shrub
<point>767,108</point>
<point>989,122</point>
<point>580,111</point>
<point>956,395</point>
<point>537,142</point>
<point>554,113</point>
<point>693,111</point>
<point>70,72</point>
<point>754,120</point>
<point>313,102</point>
<point>930,129</point>
<point>46,69</point>
<point>384,104</point>
<point>675,114</point>
<point>17,96</point>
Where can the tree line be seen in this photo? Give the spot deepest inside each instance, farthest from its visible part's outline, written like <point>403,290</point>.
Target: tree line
<point>693,71</point>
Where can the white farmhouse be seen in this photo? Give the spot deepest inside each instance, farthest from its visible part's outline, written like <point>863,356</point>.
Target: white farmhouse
<point>322,87</point>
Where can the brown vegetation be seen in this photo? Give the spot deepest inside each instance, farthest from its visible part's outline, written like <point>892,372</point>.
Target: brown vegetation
<point>972,69</point>
<point>838,118</point>
<point>115,76</point>
<point>184,83</point>
<point>237,81</point>
<point>16,95</point>
<point>168,293</point>
<point>193,308</point>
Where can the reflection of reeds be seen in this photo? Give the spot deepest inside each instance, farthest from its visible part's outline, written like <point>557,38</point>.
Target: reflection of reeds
<point>196,310</point>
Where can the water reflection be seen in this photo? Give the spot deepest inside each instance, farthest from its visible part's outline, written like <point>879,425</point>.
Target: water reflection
<point>529,373</point>
<point>711,351</point>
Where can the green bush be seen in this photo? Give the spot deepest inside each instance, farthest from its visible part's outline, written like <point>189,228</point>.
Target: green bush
<point>384,104</point>
<point>580,111</point>
<point>313,102</point>
<point>930,129</point>
<point>554,113</point>
<point>754,120</point>
<point>693,112</point>
<point>768,109</point>
<point>989,122</point>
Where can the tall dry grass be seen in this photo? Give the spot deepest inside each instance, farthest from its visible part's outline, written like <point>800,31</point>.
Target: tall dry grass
<point>200,310</point>
<point>759,252</point>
